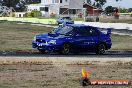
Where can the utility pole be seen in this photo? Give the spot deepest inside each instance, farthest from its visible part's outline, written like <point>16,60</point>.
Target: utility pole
<point>84,12</point>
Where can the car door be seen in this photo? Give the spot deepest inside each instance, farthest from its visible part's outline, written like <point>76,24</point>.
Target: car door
<point>86,39</point>
<point>81,39</point>
<point>93,38</point>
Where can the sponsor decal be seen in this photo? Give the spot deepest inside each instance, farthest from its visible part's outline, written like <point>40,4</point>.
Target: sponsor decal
<point>85,81</point>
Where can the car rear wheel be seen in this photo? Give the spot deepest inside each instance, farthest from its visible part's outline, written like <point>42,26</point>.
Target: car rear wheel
<point>65,49</point>
<point>100,49</point>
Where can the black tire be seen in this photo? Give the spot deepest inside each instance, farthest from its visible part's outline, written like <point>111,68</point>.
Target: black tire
<point>65,49</point>
<point>100,50</point>
<point>42,51</point>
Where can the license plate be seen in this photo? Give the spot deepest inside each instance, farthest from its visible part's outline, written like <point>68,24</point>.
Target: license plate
<point>40,48</point>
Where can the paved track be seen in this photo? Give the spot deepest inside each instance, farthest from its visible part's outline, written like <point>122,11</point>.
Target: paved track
<point>112,54</point>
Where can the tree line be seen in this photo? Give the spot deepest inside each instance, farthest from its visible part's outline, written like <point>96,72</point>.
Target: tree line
<point>18,5</point>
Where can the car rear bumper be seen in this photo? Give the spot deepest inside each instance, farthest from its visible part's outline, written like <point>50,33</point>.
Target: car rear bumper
<point>109,46</point>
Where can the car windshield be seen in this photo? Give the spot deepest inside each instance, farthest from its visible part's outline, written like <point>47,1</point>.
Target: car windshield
<point>65,30</point>
<point>68,18</point>
<point>55,30</point>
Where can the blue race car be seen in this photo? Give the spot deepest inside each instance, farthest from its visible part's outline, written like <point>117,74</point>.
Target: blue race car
<point>73,38</point>
<point>66,20</point>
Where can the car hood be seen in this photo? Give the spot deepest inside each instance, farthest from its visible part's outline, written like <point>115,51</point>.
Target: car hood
<point>49,36</point>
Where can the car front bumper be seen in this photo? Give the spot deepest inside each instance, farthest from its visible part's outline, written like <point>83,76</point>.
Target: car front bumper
<point>46,47</point>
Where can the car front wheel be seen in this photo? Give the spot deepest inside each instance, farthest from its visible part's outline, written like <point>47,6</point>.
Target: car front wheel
<point>65,49</point>
<point>41,51</point>
<point>100,49</point>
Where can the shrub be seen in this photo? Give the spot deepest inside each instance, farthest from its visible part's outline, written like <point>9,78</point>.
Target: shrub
<point>131,14</point>
<point>33,13</point>
<point>13,14</point>
<point>52,15</point>
<point>116,15</point>
<point>28,14</point>
<point>80,15</point>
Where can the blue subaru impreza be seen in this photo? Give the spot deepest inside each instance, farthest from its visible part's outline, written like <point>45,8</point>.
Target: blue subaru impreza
<point>73,38</point>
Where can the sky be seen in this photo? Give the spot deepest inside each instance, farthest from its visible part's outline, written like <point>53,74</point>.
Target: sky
<point>122,3</point>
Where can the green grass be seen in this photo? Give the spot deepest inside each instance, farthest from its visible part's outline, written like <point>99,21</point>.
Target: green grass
<point>18,37</point>
<point>33,20</point>
<point>77,19</point>
<point>2,86</point>
<point>47,20</point>
<point>121,42</point>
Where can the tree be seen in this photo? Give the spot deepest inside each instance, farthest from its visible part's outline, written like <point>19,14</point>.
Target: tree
<point>31,1</point>
<point>89,1</point>
<point>99,3</point>
<point>9,3</point>
<point>109,9</point>
<point>130,10</point>
<point>123,10</point>
<point>18,5</point>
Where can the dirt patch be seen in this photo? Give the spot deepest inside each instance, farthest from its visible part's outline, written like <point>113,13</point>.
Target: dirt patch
<point>59,73</point>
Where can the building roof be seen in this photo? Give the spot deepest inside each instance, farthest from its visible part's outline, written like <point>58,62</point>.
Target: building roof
<point>20,12</point>
<point>95,8</point>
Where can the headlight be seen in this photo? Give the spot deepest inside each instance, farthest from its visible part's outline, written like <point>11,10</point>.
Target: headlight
<point>52,42</point>
<point>34,39</point>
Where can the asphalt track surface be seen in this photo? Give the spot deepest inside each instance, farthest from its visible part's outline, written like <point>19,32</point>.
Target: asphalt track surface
<point>113,54</point>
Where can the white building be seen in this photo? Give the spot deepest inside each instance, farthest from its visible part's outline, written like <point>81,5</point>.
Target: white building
<point>20,14</point>
<point>58,7</point>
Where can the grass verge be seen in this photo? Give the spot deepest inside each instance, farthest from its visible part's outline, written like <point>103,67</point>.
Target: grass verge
<point>121,42</point>
<point>33,20</point>
<point>123,19</point>
<point>16,37</point>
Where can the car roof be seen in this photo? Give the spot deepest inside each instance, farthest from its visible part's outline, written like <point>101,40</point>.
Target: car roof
<point>79,25</point>
<point>65,17</point>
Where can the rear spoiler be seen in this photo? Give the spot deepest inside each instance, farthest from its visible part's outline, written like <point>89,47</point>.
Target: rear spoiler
<point>109,30</point>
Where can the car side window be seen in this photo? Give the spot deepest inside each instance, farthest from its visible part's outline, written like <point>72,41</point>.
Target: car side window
<point>84,31</point>
<point>88,31</point>
<point>93,32</point>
